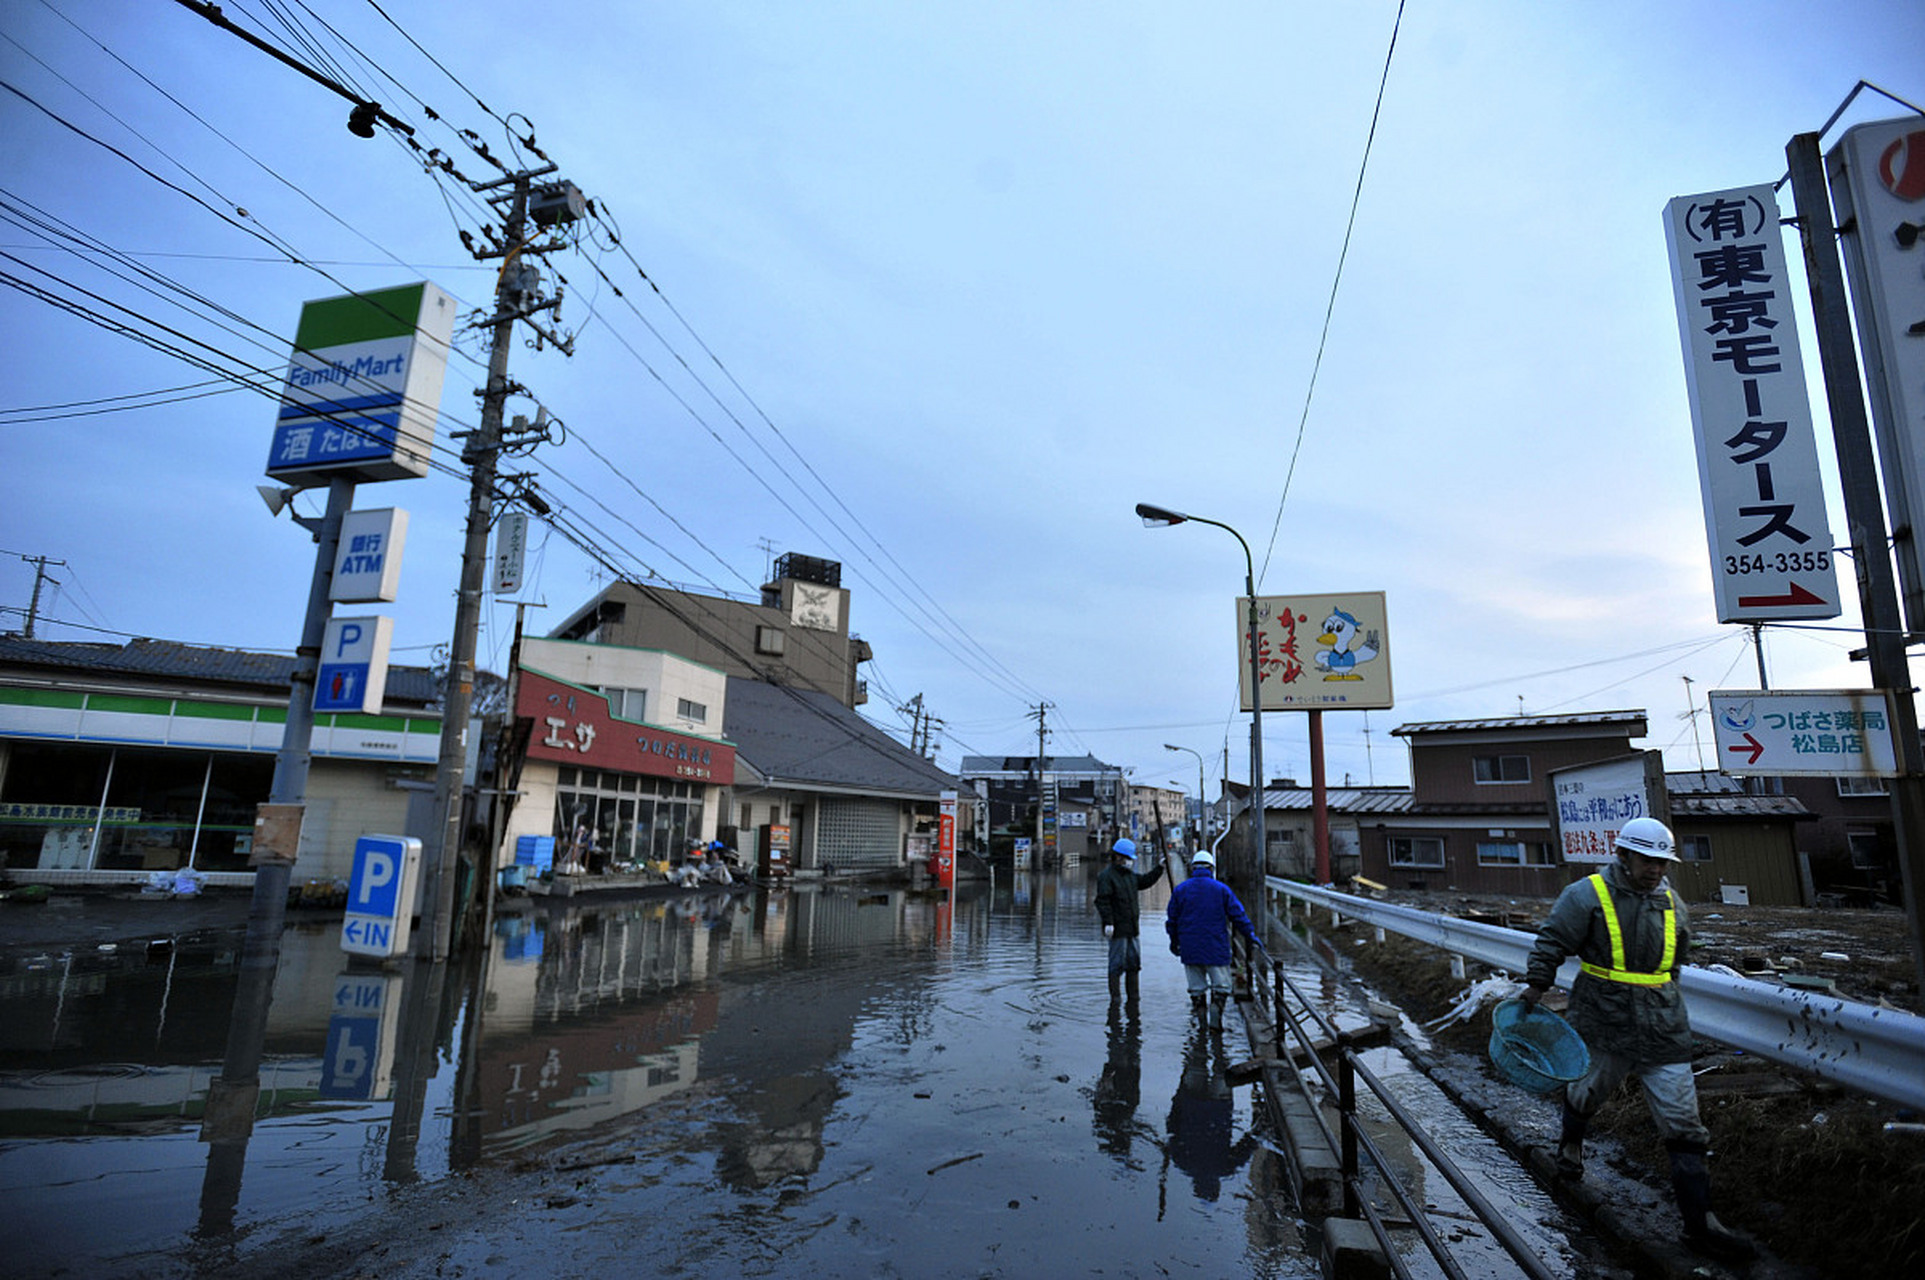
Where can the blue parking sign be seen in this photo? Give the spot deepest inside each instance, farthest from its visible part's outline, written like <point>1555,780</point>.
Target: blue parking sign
<point>380,895</point>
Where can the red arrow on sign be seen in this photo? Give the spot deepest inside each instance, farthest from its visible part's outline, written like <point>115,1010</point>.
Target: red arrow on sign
<point>1755,747</point>
<point>1796,596</point>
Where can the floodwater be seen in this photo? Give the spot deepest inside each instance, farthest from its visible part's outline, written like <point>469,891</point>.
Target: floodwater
<point>834,1081</point>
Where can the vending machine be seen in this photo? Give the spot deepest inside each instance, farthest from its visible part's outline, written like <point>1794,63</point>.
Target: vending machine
<point>772,850</point>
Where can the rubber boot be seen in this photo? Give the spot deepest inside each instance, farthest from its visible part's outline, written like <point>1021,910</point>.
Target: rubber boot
<point>1570,1144</point>
<point>1217,1001</point>
<point>1134,993</point>
<point>1199,1008</point>
<point>1116,988</point>
<point>1691,1181</point>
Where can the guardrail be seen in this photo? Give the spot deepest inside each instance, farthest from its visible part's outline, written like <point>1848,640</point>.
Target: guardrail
<point>1354,1138</point>
<point>1862,1047</point>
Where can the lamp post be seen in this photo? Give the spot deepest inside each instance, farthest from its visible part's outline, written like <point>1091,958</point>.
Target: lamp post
<point>1159,518</point>
<point>1202,824</point>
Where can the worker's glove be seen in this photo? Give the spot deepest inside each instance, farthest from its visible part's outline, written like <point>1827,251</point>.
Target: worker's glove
<point>1530,996</point>
<point>1109,931</point>
<point>1176,951</point>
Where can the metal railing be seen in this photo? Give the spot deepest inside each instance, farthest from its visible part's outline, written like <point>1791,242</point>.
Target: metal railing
<point>1354,1142</point>
<point>1866,1048</point>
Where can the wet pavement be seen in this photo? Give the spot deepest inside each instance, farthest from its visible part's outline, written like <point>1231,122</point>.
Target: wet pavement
<point>836,1081</point>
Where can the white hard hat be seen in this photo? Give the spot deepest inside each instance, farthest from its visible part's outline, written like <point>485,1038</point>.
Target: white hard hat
<point>1649,837</point>
<point>1204,858</point>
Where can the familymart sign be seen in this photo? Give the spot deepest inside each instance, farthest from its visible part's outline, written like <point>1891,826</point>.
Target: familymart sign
<point>363,387</point>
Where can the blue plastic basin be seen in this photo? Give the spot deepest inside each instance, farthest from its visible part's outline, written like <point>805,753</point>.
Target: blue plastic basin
<point>1536,1049</point>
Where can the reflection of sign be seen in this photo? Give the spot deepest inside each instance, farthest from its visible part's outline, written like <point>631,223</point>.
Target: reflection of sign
<point>1592,802</point>
<point>353,675</point>
<point>1022,853</point>
<point>363,387</point>
<point>1764,509</point>
<point>380,896</point>
<point>1878,186</point>
<point>573,725</point>
<point>1317,652</point>
<point>367,564</point>
<point>359,1058</point>
<point>1821,733</point>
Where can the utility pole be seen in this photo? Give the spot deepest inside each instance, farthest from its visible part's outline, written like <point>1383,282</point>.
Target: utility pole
<point>40,575</point>
<point>517,297</point>
<point>1865,517</point>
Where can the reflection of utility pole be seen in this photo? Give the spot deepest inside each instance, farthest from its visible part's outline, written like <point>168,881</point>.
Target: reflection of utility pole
<point>517,297</point>
<point>1042,777</point>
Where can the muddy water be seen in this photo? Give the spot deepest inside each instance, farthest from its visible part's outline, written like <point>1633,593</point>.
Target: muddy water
<point>830,1081</point>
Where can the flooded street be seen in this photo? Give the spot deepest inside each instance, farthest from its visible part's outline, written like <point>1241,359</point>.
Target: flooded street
<point>837,1081</point>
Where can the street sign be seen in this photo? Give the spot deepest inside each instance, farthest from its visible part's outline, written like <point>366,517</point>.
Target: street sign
<point>1877,176</point>
<point>1764,505</point>
<point>380,896</point>
<point>367,565</point>
<point>358,1061</point>
<point>353,673</point>
<point>1804,733</point>
<point>1317,652</point>
<point>511,546</point>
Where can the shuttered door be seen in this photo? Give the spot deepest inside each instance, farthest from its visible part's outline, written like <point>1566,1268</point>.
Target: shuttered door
<point>857,833</point>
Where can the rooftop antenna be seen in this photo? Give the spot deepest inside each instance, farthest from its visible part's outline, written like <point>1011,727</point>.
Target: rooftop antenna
<point>1691,713</point>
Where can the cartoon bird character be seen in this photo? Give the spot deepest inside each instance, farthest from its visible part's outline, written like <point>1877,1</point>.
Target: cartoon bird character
<point>1348,647</point>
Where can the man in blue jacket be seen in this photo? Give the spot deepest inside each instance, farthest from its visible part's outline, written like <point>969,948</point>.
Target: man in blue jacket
<point>1201,913</point>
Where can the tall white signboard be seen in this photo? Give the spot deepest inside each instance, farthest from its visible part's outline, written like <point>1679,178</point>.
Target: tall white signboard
<point>1878,185</point>
<point>1804,733</point>
<point>1764,507</point>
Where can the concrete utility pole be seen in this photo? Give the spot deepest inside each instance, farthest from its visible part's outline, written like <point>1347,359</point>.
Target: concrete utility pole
<point>1865,516</point>
<point>40,575</point>
<point>1042,737</point>
<point>517,297</point>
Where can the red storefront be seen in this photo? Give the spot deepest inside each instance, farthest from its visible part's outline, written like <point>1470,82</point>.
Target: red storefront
<point>625,792</point>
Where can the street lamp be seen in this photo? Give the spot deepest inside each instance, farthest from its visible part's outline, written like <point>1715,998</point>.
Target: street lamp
<point>1160,518</point>
<point>1202,826</point>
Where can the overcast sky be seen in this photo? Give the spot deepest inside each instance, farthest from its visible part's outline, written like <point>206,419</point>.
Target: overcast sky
<point>940,291</point>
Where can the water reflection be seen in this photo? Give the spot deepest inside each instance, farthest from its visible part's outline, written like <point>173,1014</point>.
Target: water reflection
<point>795,1041</point>
<point>1202,1122</point>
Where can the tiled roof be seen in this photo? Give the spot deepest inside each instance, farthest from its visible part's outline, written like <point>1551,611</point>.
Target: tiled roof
<point>800,738</point>
<point>170,660</point>
<point>973,766</point>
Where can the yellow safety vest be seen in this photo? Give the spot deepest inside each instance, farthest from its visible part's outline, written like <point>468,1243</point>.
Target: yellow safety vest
<point>1617,972</point>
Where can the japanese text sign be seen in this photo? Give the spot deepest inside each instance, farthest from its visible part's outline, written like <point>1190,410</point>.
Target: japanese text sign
<point>1764,506</point>
<point>1878,186</point>
<point>1317,652</point>
<point>1807,733</point>
<point>1592,802</point>
<point>367,564</point>
<point>573,725</point>
<point>364,386</point>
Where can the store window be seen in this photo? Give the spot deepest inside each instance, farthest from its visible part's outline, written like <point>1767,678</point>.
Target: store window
<point>611,820</point>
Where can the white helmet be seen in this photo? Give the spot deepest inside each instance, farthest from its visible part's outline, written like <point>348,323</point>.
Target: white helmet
<point>1649,837</point>
<point>1204,858</point>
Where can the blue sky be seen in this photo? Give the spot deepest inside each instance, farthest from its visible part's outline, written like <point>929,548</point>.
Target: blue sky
<point>941,291</point>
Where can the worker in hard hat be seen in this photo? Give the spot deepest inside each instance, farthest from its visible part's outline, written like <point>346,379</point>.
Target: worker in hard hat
<point>1201,913</point>
<point>1116,888</point>
<point>1630,933</point>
